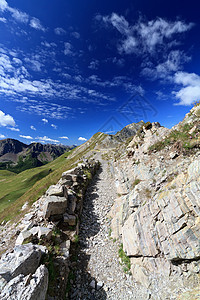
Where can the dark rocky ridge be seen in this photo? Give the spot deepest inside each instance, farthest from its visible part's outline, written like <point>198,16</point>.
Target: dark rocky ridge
<point>11,146</point>
<point>16,156</point>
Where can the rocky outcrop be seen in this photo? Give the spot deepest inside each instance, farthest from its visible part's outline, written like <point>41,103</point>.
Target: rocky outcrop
<point>30,287</point>
<point>44,240</point>
<point>157,213</point>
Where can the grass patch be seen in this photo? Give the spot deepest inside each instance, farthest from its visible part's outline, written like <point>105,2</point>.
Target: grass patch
<point>125,260</point>
<point>135,182</point>
<point>188,141</point>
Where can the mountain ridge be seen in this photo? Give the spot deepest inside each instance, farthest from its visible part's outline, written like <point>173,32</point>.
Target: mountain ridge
<point>17,156</point>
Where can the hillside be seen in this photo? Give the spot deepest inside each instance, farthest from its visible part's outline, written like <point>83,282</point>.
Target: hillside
<point>16,156</point>
<point>133,233</point>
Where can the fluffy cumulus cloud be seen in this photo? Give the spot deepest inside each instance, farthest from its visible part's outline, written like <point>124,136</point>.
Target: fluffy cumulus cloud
<point>6,120</point>
<point>27,137</point>
<point>144,36</point>
<point>47,139</point>
<point>32,127</point>
<point>64,137</point>
<point>2,136</point>
<point>82,139</point>
<point>190,91</point>
<point>45,121</point>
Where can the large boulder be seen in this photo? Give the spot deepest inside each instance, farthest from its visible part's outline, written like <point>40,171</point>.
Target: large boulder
<point>54,205</point>
<point>30,287</point>
<point>24,260</point>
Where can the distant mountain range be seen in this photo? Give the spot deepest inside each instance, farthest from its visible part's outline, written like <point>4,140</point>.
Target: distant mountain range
<point>16,156</point>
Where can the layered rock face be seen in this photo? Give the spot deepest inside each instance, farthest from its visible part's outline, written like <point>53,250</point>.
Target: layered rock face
<point>40,257</point>
<point>157,215</point>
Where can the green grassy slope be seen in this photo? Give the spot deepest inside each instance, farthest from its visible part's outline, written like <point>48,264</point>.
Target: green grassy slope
<point>14,186</point>
<point>29,185</point>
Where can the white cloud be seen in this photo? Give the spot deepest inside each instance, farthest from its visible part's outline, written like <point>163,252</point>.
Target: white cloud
<point>190,92</point>
<point>3,20</point>
<point>36,24</point>
<point>54,126</point>
<point>42,108</point>
<point>3,5</point>
<point>172,64</point>
<point>47,139</point>
<point>13,129</point>
<point>119,22</point>
<point>20,16</point>
<point>16,82</point>
<point>27,137</point>
<point>128,46</point>
<point>93,65</point>
<point>59,31</point>
<point>45,121</point>
<point>2,136</point>
<point>34,64</point>
<point>68,49</point>
<point>82,139</point>
<point>76,35</point>
<point>63,137</point>
<point>48,45</point>
<point>144,36</point>
<point>32,127</point>
<point>6,120</point>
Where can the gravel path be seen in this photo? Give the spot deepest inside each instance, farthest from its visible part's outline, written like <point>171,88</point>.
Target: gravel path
<point>99,274</point>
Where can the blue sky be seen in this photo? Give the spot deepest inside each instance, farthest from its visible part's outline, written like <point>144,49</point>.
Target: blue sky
<point>71,68</point>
